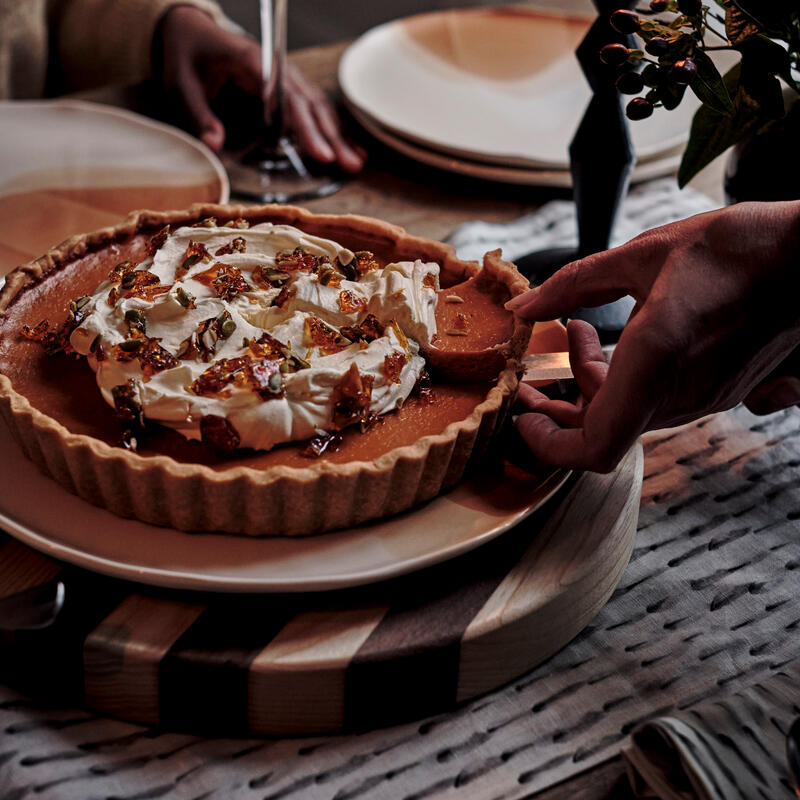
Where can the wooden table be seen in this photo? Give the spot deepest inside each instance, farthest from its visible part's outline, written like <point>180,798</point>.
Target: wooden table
<point>431,203</point>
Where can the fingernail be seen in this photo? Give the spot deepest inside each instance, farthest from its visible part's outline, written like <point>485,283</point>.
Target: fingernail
<point>521,299</point>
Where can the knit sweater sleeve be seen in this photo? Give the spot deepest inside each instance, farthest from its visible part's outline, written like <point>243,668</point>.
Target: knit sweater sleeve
<point>110,41</point>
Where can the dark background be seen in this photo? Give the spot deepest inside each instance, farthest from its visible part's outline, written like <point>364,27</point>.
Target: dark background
<point>313,22</point>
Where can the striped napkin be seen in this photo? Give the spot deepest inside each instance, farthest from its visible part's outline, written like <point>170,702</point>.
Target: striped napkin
<point>731,748</point>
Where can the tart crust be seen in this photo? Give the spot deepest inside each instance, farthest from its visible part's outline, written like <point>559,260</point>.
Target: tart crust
<point>280,500</point>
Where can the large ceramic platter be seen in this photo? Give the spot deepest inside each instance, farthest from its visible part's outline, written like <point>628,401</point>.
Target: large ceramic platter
<point>499,85</point>
<point>38,512</point>
<point>554,178</point>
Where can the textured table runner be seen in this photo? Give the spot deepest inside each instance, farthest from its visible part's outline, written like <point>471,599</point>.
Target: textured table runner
<point>707,606</point>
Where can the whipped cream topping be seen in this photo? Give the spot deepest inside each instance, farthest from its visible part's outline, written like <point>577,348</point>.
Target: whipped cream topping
<point>286,303</point>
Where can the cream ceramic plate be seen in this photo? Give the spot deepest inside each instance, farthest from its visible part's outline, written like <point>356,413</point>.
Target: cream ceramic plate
<point>495,85</point>
<point>645,171</point>
<point>67,528</point>
<point>68,166</point>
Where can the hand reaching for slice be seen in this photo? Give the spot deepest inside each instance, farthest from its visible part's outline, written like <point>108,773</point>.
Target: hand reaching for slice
<point>715,319</point>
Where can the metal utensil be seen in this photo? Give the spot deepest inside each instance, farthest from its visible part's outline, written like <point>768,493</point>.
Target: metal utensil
<point>34,608</point>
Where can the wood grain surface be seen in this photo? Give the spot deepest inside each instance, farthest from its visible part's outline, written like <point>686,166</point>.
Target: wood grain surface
<point>321,662</point>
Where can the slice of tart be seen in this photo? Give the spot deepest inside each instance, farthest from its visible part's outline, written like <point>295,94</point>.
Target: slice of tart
<point>261,370</point>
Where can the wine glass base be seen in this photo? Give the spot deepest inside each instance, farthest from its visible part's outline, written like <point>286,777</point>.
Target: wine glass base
<point>276,175</point>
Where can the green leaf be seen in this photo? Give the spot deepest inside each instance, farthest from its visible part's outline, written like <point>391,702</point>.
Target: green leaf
<point>635,55</point>
<point>709,86</point>
<point>712,133</point>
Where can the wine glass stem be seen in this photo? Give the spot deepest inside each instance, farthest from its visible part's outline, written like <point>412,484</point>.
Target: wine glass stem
<point>273,66</point>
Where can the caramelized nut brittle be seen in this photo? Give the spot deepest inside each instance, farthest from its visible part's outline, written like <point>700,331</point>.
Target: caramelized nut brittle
<point>219,375</point>
<point>224,279</point>
<point>352,397</point>
<point>239,222</point>
<point>324,443</point>
<point>266,346</point>
<point>429,281</point>
<point>364,262</point>
<point>151,355</point>
<point>269,277</point>
<point>330,277</point>
<point>423,389</point>
<point>127,408</point>
<point>265,378</point>
<point>120,270</point>
<point>368,330</point>
<point>208,222</point>
<point>237,245</point>
<point>298,259</point>
<point>317,333</point>
<point>195,251</point>
<point>350,303</point>
<point>393,366</point>
<point>219,433</point>
<point>284,296</point>
<point>155,243</point>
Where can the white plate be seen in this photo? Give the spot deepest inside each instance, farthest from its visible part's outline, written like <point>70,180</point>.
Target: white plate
<point>68,167</point>
<point>561,178</point>
<point>38,512</point>
<point>51,144</point>
<point>496,85</point>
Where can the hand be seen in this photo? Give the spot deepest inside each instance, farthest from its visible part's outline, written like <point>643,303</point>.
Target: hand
<point>198,58</point>
<point>716,312</point>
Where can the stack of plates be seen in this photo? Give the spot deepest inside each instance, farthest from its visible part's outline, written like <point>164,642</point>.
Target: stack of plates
<point>490,93</point>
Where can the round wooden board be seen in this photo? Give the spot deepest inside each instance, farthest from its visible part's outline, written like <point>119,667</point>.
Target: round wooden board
<point>322,662</point>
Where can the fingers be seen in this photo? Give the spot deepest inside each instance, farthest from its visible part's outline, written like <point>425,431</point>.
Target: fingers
<point>307,131</point>
<point>596,280</point>
<point>567,415</point>
<point>586,357</point>
<point>317,125</point>
<point>774,395</point>
<point>206,124</point>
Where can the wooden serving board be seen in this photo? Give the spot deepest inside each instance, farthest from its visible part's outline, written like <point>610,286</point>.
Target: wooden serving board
<point>321,662</point>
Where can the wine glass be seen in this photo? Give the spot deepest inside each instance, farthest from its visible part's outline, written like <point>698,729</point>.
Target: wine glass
<point>272,170</point>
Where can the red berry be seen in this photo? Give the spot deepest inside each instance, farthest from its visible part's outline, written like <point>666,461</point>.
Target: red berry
<point>614,54</point>
<point>690,7</point>
<point>630,83</point>
<point>625,21</point>
<point>683,71</point>
<point>657,46</point>
<point>657,6</point>
<point>639,108</point>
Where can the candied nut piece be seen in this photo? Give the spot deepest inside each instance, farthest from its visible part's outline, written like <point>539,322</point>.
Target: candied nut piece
<point>151,355</point>
<point>368,330</point>
<point>423,390</point>
<point>219,433</point>
<point>224,279</point>
<point>236,245</point>
<point>324,443</point>
<point>393,366</point>
<point>298,259</point>
<point>317,333</point>
<point>155,243</point>
<point>350,303</point>
<point>195,251</point>
<point>352,397</point>
<point>429,281</point>
<point>219,375</point>
<point>265,378</point>
<point>269,277</point>
<point>284,296</point>
<point>364,262</point>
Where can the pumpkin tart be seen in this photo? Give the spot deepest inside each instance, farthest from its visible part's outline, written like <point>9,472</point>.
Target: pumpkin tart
<point>405,457</point>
